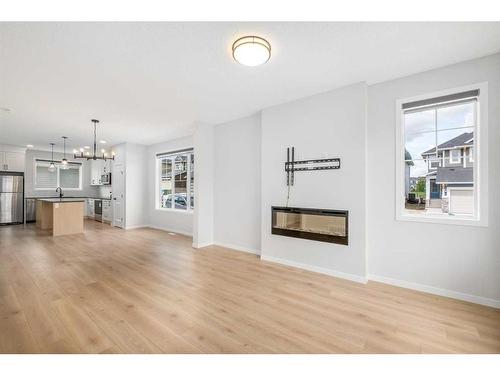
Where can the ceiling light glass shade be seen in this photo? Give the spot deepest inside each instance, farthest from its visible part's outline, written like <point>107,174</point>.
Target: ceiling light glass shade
<point>52,167</point>
<point>251,50</point>
<point>64,164</point>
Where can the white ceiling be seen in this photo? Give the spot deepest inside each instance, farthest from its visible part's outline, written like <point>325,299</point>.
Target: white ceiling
<point>149,82</point>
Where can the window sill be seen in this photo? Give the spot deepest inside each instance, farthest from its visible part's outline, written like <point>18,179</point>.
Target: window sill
<point>453,220</point>
<point>173,210</point>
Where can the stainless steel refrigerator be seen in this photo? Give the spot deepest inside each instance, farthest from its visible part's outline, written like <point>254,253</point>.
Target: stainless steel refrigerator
<point>11,198</point>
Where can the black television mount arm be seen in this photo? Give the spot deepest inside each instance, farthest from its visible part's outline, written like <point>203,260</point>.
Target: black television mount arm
<point>292,166</point>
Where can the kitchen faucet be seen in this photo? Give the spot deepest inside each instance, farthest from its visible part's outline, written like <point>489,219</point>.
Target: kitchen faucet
<point>60,192</point>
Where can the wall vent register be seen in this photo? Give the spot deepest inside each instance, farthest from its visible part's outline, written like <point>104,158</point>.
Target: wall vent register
<point>311,223</point>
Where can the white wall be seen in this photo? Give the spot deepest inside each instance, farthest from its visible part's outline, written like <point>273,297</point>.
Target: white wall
<point>460,261</point>
<point>327,125</point>
<point>180,222</point>
<point>29,183</point>
<point>135,185</point>
<point>237,184</point>
<point>203,217</point>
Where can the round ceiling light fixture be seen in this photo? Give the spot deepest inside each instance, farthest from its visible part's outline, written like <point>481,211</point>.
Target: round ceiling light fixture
<point>251,50</point>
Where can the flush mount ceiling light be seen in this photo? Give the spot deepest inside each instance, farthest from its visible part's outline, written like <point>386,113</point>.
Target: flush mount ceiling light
<point>251,50</point>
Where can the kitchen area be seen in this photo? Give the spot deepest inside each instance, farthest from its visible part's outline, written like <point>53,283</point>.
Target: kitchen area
<point>96,192</point>
<point>27,184</point>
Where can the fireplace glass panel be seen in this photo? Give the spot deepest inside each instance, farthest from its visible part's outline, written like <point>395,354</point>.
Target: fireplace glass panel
<point>320,225</point>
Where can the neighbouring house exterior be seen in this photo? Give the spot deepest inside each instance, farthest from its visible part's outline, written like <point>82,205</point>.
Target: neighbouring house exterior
<point>450,177</point>
<point>408,163</point>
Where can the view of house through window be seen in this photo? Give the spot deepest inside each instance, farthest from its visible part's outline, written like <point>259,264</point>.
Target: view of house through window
<point>439,155</point>
<point>176,180</point>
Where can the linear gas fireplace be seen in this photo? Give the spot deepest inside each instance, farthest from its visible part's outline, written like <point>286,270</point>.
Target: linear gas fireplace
<point>311,223</point>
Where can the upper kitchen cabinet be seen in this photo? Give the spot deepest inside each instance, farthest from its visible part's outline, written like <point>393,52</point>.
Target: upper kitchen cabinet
<point>97,169</point>
<point>11,159</point>
<point>106,167</point>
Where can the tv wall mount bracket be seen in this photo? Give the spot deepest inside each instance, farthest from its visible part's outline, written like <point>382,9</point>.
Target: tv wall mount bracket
<point>292,165</point>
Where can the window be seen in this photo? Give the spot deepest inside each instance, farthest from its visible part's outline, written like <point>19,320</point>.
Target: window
<point>455,156</point>
<point>435,180</point>
<point>176,180</point>
<point>67,179</point>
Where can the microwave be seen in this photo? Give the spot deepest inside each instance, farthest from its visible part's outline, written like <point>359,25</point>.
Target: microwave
<point>106,179</point>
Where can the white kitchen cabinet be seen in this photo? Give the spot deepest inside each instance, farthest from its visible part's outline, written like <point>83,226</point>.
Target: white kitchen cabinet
<point>106,167</point>
<point>12,161</point>
<point>107,210</point>
<point>96,168</point>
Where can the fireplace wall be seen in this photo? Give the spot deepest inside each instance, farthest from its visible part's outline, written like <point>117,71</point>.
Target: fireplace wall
<point>325,125</point>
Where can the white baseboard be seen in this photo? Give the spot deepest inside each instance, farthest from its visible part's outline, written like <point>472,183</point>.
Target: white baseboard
<point>136,226</point>
<point>199,245</point>
<point>437,291</point>
<point>165,229</point>
<point>237,247</point>
<point>308,267</point>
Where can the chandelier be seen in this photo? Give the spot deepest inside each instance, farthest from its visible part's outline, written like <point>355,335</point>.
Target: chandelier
<point>103,156</point>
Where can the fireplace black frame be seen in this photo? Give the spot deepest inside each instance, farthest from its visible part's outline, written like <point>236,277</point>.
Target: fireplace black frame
<point>343,240</point>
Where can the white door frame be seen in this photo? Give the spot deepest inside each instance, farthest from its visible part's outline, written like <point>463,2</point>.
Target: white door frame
<point>122,198</point>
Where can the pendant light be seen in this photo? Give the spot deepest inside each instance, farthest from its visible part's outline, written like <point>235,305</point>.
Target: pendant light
<point>87,155</point>
<point>52,166</point>
<point>64,161</point>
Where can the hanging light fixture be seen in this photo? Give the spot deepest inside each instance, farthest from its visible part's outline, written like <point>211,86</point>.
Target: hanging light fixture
<point>52,166</point>
<point>251,50</point>
<point>87,155</point>
<point>64,161</point>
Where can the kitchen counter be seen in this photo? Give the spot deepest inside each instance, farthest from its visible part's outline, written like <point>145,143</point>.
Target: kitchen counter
<point>62,200</point>
<point>39,198</point>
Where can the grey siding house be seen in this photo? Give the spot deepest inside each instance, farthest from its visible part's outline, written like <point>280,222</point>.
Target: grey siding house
<point>450,175</point>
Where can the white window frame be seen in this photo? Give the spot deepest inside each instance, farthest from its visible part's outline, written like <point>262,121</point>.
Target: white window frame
<point>172,155</point>
<point>433,159</point>
<point>58,181</point>
<point>459,159</point>
<point>480,155</point>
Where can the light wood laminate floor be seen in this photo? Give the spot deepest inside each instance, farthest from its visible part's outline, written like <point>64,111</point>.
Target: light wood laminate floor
<point>145,291</point>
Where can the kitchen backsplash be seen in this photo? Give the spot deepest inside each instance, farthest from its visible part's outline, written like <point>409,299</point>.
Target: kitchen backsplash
<point>104,191</point>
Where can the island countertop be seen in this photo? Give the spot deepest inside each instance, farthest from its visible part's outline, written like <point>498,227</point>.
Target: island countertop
<point>62,200</point>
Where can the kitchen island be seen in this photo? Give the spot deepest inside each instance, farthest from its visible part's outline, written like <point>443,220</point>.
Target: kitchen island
<point>60,215</point>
